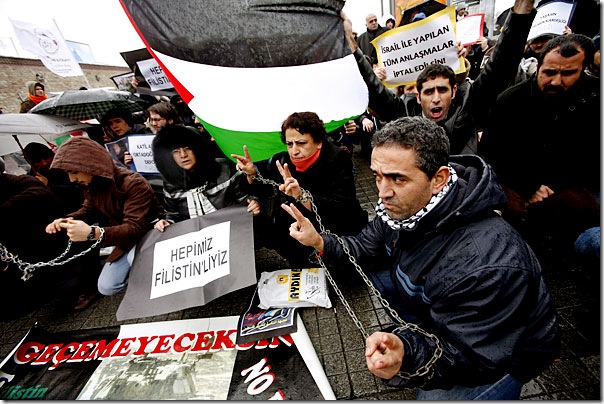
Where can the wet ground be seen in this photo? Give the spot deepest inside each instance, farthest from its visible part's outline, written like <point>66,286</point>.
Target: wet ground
<point>339,343</point>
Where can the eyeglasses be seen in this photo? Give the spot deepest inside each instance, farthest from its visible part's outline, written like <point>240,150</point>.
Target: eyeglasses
<point>374,20</point>
<point>157,119</point>
<point>179,150</point>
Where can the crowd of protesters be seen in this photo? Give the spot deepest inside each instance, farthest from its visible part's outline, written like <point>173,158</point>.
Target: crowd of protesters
<point>473,173</point>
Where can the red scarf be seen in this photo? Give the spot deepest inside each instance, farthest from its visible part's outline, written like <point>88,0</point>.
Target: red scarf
<point>304,164</point>
<point>37,99</point>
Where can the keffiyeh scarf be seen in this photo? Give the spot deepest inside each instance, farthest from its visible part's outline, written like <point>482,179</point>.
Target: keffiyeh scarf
<point>412,221</point>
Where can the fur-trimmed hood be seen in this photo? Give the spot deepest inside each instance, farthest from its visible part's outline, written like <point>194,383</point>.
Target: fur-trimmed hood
<point>173,136</point>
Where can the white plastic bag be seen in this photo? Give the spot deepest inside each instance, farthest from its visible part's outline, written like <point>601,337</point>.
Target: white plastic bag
<point>293,288</point>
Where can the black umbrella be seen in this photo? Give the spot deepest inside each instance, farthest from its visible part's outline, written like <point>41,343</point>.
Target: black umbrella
<point>89,104</point>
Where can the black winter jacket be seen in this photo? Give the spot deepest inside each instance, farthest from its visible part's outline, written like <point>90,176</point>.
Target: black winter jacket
<point>213,184</point>
<point>469,111</point>
<point>470,279</point>
<point>331,182</point>
<point>545,143</point>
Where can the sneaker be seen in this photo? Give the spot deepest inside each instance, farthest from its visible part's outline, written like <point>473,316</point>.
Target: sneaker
<point>85,300</point>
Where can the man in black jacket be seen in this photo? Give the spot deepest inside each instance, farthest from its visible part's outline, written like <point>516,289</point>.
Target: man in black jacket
<point>374,29</point>
<point>457,269</point>
<point>548,156</point>
<point>438,98</point>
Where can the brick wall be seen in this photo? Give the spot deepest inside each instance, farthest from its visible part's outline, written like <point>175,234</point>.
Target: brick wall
<point>15,72</point>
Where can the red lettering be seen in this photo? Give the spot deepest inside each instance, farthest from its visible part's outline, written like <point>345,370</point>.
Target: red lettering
<point>46,356</point>
<point>28,352</point>
<point>163,345</point>
<point>64,354</point>
<point>204,341</point>
<point>223,340</point>
<point>103,350</point>
<point>123,348</point>
<point>144,341</point>
<point>178,346</point>
<point>82,353</point>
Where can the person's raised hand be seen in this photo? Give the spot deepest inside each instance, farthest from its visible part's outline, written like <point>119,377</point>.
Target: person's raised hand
<point>348,31</point>
<point>290,186</point>
<point>302,229</point>
<point>245,163</point>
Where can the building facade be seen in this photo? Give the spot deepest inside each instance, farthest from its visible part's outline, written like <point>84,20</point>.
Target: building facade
<point>15,72</point>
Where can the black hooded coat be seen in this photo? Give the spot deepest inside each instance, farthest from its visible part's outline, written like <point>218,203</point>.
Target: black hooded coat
<point>211,185</point>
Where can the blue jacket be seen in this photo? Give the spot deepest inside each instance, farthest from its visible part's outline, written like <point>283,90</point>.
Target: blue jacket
<point>470,279</point>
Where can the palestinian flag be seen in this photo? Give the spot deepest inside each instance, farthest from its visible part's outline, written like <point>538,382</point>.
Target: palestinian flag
<point>244,66</point>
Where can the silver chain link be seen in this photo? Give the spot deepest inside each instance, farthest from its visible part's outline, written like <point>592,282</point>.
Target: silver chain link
<point>421,371</point>
<point>28,268</point>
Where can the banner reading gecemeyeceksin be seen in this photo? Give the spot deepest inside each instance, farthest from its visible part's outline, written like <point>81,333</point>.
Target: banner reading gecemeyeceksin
<point>190,264</point>
<point>243,67</point>
<point>405,51</point>
<point>46,42</point>
<point>196,359</point>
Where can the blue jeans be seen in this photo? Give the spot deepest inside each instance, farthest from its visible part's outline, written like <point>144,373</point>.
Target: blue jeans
<point>588,243</point>
<point>114,275</point>
<point>507,388</point>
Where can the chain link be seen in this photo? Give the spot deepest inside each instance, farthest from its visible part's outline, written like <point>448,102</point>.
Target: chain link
<point>28,268</point>
<point>422,370</point>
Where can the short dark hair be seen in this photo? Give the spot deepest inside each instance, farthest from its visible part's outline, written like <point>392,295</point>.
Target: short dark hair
<point>425,137</point>
<point>569,46</point>
<point>433,71</point>
<point>118,113</point>
<point>305,122</point>
<point>36,152</point>
<point>165,110</point>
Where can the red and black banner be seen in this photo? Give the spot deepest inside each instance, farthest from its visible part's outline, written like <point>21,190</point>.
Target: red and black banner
<point>195,359</point>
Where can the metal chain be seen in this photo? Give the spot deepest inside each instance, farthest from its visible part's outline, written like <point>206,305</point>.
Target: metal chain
<point>422,370</point>
<point>28,268</point>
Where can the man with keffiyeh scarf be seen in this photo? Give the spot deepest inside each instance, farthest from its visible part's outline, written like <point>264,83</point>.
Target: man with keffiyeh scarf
<point>458,270</point>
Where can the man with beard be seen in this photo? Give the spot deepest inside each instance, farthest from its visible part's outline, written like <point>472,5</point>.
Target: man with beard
<point>543,141</point>
<point>455,268</point>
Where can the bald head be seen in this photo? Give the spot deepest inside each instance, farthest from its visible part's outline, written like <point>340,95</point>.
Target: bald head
<point>371,22</point>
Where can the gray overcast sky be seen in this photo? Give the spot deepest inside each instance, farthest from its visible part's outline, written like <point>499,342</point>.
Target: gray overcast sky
<point>103,25</point>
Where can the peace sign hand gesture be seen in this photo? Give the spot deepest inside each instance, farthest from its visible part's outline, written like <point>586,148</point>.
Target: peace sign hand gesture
<point>290,186</point>
<point>302,229</point>
<point>245,164</point>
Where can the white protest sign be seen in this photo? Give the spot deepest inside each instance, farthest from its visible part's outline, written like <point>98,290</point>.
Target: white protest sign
<point>191,260</point>
<point>469,29</point>
<point>139,146</point>
<point>154,74</point>
<point>551,18</point>
<point>405,51</point>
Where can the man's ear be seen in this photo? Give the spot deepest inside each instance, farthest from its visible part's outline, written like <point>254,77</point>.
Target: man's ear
<point>440,179</point>
<point>454,91</point>
<point>417,97</point>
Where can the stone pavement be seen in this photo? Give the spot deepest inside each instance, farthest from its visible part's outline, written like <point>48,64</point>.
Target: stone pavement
<point>337,340</point>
